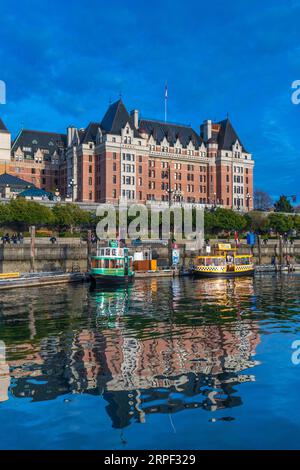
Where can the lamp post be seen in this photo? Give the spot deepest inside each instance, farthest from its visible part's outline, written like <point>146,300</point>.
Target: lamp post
<point>248,199</point>
<point>72,185</point>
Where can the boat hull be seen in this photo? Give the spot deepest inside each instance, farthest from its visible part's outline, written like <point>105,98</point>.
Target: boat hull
<point>227,275</point>
<point>102,279</point>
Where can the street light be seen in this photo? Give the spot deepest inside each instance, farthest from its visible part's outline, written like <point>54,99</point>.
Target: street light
<point>248,199</point>
<point>72,185</point>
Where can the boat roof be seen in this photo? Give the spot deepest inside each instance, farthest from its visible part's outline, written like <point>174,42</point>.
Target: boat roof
<point>223,256</point>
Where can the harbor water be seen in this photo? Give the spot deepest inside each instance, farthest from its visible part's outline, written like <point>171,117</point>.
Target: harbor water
<point>161,364</point>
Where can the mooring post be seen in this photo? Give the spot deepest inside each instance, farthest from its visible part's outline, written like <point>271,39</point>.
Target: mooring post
<point>281,252</point>
<point>89,249</point>
<point>32,248</point>
<point>259,249</point>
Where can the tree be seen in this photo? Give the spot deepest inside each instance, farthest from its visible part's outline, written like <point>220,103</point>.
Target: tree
<point>22,213</point>
<point>223,220</point>
<point>257,222</point>
<point>280,223</point>
<point>283,205</point>
<point>70,216</point>
<point>4,214</point>
<point>262,200</point>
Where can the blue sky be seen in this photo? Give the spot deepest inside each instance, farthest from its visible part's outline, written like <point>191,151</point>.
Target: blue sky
<point>62,63</point>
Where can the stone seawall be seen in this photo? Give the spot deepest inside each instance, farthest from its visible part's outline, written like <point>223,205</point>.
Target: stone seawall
<point>45,257</point>
<point>74,256</point>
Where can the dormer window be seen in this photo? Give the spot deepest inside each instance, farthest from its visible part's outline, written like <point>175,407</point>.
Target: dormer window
<point>34,142</point>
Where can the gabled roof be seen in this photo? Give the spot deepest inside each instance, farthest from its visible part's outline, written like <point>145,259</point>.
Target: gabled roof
<point>90,133</point>
<point>3,127</point>
<point>172,132</point>
<point>116,118</point>
<point>35,192</point>
<point>35,140</point>
<point>13,181</point>
<point>227,136</point>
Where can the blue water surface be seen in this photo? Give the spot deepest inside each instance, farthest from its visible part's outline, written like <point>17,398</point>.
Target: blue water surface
<point>162,364</point>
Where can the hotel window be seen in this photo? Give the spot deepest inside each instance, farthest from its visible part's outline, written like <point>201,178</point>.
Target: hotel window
<point>90,181</point>
<point>114,179</point>
<point>90,158</point>
<point>114,167</point>
<point>140,182</point>
<point>114,193</point>
<point>33,171</point>
<point>140,195</point>
<point>90,169</point>
<point>227,178</point>
<point>114,156</point>
<point>90,196</point>
<point>140,169</point>
<point>114,139</point>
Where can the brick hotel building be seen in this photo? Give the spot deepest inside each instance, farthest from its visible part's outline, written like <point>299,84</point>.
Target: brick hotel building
<point>125,157</point>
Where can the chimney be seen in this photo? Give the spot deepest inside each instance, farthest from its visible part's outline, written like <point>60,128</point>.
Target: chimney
<point>70,134</point>
<point>135,115</point>
<point>207,130</point>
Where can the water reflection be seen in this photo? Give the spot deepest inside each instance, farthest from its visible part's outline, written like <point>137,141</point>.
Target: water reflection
<point>159,346</point>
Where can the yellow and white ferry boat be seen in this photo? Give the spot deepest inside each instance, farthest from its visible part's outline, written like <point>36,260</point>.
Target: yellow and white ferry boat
<point>224,262</point>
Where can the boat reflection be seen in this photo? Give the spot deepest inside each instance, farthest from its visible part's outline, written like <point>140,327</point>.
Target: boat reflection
<point>156,347</point>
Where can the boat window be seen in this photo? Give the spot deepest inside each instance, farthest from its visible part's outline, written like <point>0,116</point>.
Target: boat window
<point>102,252</point>
<point>107,252</point>
<point>242,261</point>
<point>114,252</point>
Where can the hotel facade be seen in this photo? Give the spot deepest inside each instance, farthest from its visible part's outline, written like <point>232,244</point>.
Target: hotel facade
<point>125,157</point>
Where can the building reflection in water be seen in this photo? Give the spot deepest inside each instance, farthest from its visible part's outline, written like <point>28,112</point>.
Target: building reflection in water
<point>155,347</point>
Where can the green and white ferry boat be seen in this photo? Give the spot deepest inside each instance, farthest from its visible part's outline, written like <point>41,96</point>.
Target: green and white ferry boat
<point>111,265</point>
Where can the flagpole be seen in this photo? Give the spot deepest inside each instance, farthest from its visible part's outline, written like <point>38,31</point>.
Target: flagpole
<point>166,102</point>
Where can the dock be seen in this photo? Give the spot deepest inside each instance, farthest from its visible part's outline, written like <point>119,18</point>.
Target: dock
<point>40,279</point>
